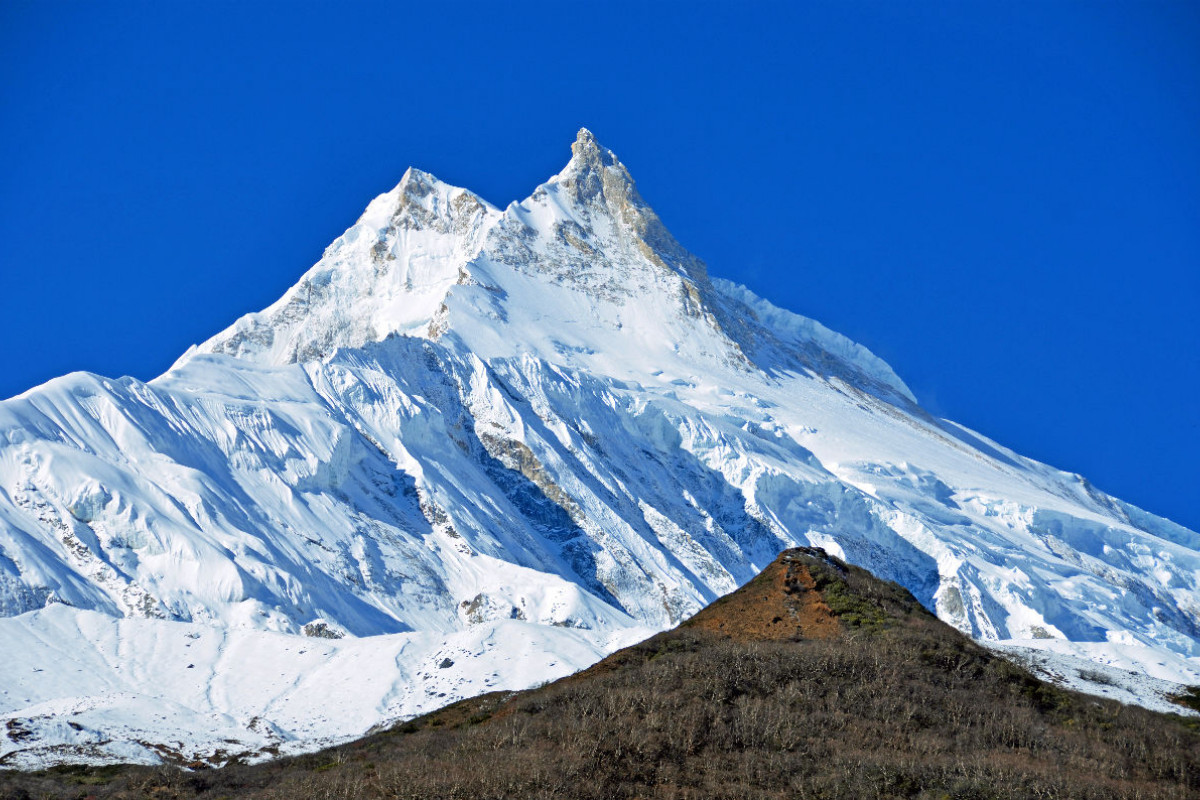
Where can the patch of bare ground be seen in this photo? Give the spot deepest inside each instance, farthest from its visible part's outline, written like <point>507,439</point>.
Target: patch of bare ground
<point>781,604</point>
<point>814,681</point>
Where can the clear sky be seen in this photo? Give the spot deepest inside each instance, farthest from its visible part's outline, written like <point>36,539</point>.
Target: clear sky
<point>1001,199</point>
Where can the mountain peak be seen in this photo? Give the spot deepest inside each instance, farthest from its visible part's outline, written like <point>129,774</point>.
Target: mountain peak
<point>587,232</point>
<point>596,182</point>
<point>584,137</point>
<point>594,173</point>
<point>585,148</point>
<point>416,182</point>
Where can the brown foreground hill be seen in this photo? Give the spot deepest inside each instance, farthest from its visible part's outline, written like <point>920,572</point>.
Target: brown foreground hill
<point>815,680</point>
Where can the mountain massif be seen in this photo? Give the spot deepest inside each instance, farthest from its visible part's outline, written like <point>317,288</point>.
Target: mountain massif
<point>476,449</point>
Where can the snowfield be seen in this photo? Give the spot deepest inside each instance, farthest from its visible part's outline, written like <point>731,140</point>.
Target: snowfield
<point>477,449</point>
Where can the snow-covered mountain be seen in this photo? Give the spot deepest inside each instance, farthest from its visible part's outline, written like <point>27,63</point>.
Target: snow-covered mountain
<point>476,448</point>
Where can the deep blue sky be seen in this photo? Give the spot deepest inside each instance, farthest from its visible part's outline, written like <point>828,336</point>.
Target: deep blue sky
<point>1001,199</point>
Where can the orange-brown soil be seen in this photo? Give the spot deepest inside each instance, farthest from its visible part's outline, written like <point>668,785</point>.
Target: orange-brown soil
<point>781,604</point>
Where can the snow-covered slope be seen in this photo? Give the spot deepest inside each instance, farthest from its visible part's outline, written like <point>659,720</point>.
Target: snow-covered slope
<point>482,448</point>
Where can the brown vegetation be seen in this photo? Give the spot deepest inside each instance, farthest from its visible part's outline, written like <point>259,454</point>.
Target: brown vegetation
<point>854,692</point>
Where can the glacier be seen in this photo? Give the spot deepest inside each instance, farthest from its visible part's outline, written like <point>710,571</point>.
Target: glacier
<point>476,448</point>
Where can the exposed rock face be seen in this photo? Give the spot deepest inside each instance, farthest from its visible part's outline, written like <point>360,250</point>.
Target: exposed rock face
<point>321,630</point>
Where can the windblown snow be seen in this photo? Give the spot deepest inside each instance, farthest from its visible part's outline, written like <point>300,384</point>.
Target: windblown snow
<point>478,449</point>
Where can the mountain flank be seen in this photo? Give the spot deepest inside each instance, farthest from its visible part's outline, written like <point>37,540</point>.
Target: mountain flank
<point>813,680</point>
